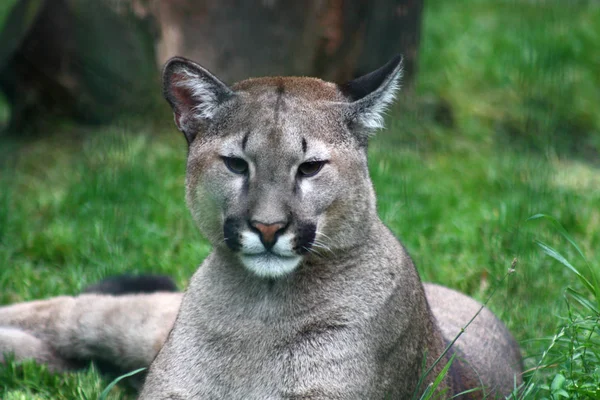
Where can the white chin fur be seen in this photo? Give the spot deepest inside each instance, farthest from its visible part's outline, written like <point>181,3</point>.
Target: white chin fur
<point>269,265</point>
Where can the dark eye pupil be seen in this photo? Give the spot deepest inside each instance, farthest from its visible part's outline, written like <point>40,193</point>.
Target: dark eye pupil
<point>310,168</point>
<point>236,165</point>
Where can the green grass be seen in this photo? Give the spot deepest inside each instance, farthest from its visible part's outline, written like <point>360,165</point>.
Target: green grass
<point>29,381</point>
<point>521,80</point>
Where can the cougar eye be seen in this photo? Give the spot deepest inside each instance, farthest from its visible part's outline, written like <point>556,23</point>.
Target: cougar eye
<point>310,168</point>
<point>236,165</point>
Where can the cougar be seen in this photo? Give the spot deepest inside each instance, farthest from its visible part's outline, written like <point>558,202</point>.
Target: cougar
<point>306,294</point>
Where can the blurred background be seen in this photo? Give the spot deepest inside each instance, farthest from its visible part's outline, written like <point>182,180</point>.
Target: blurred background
<point>87,60</point>
<point>490,161</point>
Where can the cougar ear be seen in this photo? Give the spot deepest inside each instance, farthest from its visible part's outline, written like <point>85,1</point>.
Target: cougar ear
<point>371,94</point>
<point>194,94</point>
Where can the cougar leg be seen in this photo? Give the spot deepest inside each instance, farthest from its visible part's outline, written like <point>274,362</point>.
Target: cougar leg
<point>126,331</point>
<point>21,346</point>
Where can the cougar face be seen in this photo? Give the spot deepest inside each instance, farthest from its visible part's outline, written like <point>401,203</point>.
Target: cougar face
<point>277,170</point>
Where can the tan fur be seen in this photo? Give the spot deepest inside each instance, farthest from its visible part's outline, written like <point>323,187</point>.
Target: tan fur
<point>21,345</point>
<point>484,346</point>
<point>312,89</point>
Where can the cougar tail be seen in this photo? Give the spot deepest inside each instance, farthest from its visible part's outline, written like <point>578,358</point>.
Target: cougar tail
<point>132,284</point>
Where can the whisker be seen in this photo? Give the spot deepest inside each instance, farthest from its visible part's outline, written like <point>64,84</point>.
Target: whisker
<point>319,233</point>
<point>321,245</point>
<point>313,252</point>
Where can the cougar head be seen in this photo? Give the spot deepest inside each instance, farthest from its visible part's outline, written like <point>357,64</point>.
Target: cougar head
<point>277,167</point>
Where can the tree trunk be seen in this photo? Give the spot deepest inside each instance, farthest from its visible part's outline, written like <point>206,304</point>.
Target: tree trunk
<point>92,59</point>
<point>331,39</point>
<point>73,58</point>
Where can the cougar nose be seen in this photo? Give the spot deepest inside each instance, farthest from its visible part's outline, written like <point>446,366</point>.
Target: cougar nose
<point>268,232</point>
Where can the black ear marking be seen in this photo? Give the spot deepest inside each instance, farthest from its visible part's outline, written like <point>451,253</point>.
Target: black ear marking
<point>362,86</point>
<point>194,94</point>
<point>371,94</point>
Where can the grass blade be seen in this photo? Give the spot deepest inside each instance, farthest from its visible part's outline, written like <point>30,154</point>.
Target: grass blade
<point>563,232</point>
<point>106,391</point>
<point>558,257</point>
<point>581,299</point>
